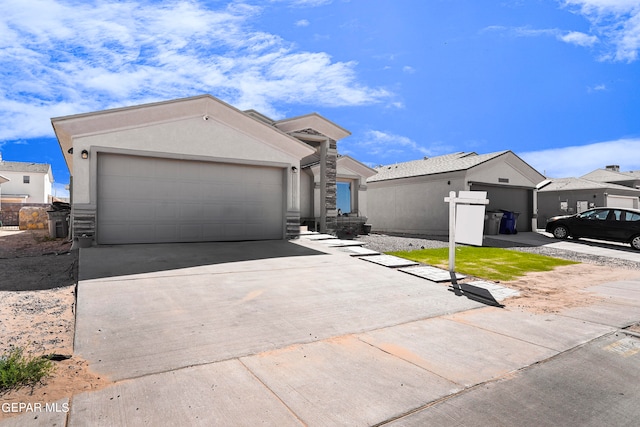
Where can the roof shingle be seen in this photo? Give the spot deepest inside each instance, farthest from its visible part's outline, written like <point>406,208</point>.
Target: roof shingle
<point>433,165</point>
<point>24,167</point>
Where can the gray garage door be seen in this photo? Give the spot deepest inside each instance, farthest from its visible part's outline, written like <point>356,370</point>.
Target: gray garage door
<point>510,199</point>
<point>149,200</point>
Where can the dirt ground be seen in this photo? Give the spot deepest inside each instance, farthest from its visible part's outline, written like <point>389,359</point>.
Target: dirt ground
<point>563,288</point>
<point>37,303</point>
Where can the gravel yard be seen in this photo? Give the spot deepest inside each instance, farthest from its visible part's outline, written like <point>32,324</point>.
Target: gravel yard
<point>37,301</point>
<point>389,243</point>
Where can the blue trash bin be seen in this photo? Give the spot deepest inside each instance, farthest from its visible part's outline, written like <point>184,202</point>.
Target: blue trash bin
<point>508,223</point>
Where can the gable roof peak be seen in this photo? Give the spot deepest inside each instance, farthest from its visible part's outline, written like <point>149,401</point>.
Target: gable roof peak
<point>313,121</point>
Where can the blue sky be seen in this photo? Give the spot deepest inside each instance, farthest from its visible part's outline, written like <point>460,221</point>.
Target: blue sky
<point>555,81</point>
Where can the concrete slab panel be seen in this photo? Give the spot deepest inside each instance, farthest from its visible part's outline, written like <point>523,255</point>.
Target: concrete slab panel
<point>45,415</point>
<point>341,243</point>
<point>147,323</point>
<point>359,251</point>
<point>320,237</point>
<point>607,313</point>
<point>548,330</point>
<point>346,382</point>
<point>389,261</point>
<point>590,386</point>
<point>163,259</point>
<point>464,354</point>
<point>627,292</point>
<point>432,273</point>
<point>221,394</point>
<point>499,293</point>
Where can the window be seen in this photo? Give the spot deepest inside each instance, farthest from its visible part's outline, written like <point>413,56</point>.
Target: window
<point>631,216</point>
<point>600,214</point>
<point>343,201</point>
<point>26,179</point>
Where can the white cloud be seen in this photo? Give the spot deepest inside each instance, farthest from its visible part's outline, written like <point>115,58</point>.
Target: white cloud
<point>578,38</point>
<point>597,88</point>
<point>408,69</point>
<point>615,26</point>
<point>524,31</point>
<point>64,57</point>
<point>576,161</point>
<point>304,3</point>
<point>302,23</point>
<point>384,144</point>
<point>618,23</point>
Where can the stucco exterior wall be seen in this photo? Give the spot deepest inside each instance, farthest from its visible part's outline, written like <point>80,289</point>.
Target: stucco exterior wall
<point>306,194</point>
<point>38,188</point>
<point>506,171</point>
<point>192,138</point>
<point>412,205</point>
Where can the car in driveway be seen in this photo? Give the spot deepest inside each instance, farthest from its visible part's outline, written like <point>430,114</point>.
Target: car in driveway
<point>613,224</point>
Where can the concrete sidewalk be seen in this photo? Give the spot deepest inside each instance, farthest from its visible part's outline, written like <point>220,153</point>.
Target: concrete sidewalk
<point>327,339</point>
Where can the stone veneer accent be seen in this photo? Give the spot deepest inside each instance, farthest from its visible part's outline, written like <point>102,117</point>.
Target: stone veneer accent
<point>332,190</point>
<point>293,227</point>
<point>84,222</point>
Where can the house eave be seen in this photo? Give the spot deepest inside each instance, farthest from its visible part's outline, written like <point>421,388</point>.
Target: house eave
<point>356,166</point>
<point>313,121</point>
<point>207,107</point>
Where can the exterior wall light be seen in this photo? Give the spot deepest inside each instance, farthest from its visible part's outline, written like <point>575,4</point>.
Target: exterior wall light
<point>294,169</point>
<point>85,154</point>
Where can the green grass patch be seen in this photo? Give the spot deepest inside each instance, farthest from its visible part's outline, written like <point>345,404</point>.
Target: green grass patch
<point>18,369</point>
<point>487,263</point>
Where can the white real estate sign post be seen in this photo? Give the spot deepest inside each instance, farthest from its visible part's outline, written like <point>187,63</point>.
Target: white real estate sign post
<point>466,220</point>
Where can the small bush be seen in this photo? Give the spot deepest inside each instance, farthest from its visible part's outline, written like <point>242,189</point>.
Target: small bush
<point>18,369</point>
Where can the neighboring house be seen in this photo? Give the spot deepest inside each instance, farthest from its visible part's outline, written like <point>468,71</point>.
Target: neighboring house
<point>27,182</point>
<point>196,169</point>
<point>611,174</point>
<point>565,196</point>
<point>3,179</point>
<point>409,197</point>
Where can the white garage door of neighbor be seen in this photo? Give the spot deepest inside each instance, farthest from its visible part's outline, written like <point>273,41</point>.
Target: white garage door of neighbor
<point>152,200</point>
<point>622,202</point>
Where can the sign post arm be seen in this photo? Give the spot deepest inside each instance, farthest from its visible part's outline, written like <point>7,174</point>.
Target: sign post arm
<point>452,231</point>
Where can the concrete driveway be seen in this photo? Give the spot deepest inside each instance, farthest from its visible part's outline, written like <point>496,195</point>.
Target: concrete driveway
<point>279,333</point>
<point>203,303</point>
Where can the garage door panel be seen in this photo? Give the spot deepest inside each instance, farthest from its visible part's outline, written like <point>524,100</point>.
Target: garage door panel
<point>140,211</point>
<point>168,231</point>
<point>143,199</point>
<point>140,188</point>
<point>167,170</point>
<point>191,212</point>
<point>168,211</point>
